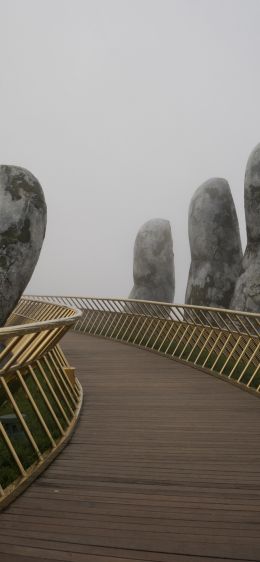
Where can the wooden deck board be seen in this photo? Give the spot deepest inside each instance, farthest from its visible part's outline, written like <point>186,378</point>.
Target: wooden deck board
<point>163,466</point>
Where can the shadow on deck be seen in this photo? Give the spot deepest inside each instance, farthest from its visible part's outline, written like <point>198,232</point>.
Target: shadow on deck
<point>163,466</point>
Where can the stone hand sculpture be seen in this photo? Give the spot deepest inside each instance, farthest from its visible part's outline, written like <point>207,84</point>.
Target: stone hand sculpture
<point>22,228</point>
<point>154,262</point>
<point>247,290</point>
<point>215,245</point>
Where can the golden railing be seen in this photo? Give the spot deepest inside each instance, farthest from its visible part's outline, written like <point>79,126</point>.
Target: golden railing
<point>40,397</point>
<point>223,342</point>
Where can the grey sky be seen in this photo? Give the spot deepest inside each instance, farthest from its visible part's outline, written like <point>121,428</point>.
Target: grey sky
<point>121,108</point>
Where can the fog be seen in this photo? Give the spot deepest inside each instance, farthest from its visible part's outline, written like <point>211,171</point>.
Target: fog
<point>121,109</point>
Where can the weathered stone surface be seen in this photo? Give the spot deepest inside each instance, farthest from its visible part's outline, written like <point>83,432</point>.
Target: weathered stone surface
<point>154,262</point>
<point>247,291</point>
<point>22,228</point>
<point>215,245</point>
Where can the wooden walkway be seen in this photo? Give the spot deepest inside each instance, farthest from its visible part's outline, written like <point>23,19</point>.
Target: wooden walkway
<point>164,466</point>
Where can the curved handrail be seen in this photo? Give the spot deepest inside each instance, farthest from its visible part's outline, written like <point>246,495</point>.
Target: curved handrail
<point>40,397</point>
<point>224,342</point>
<point>51,313</point>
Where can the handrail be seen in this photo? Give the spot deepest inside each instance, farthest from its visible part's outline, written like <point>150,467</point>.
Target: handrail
<point>68,317</point>
<point>223,342</point>
<point>40,397</point>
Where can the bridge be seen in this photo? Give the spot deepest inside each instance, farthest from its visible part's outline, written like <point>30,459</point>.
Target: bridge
<point>129,432</point>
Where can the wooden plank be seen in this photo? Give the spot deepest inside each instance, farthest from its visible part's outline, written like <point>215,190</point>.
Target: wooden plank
<point>96,555</point>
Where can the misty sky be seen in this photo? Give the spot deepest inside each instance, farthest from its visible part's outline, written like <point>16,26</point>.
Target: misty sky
<point>121,109</point>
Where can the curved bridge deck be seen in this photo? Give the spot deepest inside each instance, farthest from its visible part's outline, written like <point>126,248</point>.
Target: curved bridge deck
<point>163,466</point>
